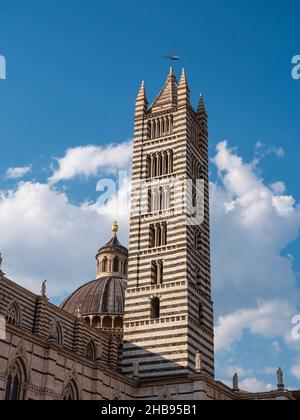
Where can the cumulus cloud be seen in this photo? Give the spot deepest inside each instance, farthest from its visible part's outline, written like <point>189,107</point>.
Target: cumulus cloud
<point>261,150</point>
<point>269,319</point>
<point>295,371</point>
<point>255,385</point>
<point>90,160</point>
<point>278,187</point>
<point>276,347</point>
<point>251,227</point>
<point>44,235</point>
<point>269,370</point>
<point>18,172</point>
<point>252,224</point>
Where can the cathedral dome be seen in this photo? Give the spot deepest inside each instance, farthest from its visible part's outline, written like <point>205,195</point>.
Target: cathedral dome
<point>103,296</point>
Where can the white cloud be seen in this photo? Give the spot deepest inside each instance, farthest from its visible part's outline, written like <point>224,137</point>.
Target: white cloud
<point>276,347</point>
<point>269,319</point>
<point>278,151</point>
<point>269,370</point>
<point>255,385</point>
<point>251,227</point>
<point>44,235</point>
<point>231,370</point>
<point>261,151</point>
<point>18,172</point>
<point>295,371</point>
<point>278,187</point>
<point>89,160</point>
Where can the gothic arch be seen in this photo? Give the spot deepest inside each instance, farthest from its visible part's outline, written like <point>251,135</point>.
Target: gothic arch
<point>71,388</point>
<point>71,392</point>
<point>165,394</point>
<point>90,352</point>
<point>56,332</point>
<point>116,394</point>
<point>16,383</point>
<point>13,314</point>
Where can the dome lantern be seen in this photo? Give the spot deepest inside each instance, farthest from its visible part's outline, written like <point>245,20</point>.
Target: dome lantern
<point>112,258</point>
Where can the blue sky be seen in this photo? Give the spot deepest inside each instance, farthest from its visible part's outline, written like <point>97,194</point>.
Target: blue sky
<point>73,71</point>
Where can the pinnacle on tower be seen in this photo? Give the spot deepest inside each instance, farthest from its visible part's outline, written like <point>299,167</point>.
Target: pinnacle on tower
<point>201,107</point>
<point>183,90</point>
<point>201,112</point>
<point>141,101</point>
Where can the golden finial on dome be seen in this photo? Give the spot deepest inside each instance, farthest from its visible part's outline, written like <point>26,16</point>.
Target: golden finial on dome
<point>115,227</point>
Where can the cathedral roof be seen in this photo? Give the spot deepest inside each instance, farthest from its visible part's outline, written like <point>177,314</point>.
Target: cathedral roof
<point>98,297</point>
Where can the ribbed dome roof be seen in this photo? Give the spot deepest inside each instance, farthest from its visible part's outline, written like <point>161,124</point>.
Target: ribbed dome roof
<point>113,246</point>
<point>103,296</point>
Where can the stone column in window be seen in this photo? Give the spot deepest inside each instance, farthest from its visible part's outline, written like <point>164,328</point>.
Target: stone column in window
<point>162,131</point>
<point>158,164</point>
<point>156,236</point>
<point>159,272</point>
<point>164,168</point>
<point>163,234</point>
<point>168,162</point>
<point>152,164</point>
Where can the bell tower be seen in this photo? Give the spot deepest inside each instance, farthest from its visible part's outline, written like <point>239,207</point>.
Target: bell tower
<point>168,309</point>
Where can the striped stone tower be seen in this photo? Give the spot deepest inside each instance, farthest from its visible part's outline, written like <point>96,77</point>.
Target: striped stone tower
<point>168,326</point>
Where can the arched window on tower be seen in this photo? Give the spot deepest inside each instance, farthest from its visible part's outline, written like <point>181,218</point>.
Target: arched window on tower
<point>157,272</point>
<point>155,308</point>
<point>116,265</point>
<point>71,392</point>
<point>16,382</point>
